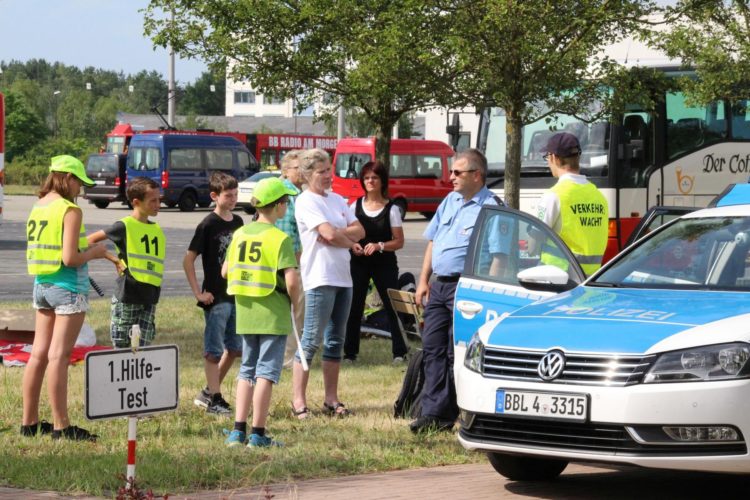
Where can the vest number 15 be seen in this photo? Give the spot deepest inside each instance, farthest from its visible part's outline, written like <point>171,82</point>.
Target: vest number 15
<point>154,241</point>
<point>253,255</point>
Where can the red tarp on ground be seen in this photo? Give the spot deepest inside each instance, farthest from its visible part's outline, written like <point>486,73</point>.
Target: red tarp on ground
<point>15,354</point>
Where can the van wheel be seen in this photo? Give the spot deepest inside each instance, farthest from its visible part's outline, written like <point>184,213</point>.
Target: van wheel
<point>187,202</point>
<point>519,468</point>
<point>204,204</point>
<point>249,210</point>
<point>101,204</point>
<point>170,204</point>
<point>401,204</point>
<point>427,215</point>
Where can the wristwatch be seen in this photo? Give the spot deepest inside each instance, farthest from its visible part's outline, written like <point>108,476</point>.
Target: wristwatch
<point>382,246</point>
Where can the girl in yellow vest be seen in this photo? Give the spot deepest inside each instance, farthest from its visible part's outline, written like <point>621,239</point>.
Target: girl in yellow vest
<point>260,268</point>
<point>56,255</point>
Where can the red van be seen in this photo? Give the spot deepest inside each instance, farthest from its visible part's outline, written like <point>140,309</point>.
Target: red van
<point>419,174</point>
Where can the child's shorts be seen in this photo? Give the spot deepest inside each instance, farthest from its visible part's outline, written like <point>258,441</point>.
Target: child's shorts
<point>262,357</point>
<point>220,332</point>
<point>124,316</point>
<point>62,300</point>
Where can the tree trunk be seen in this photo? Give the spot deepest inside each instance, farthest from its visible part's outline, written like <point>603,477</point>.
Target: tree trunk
<point>383,143</point>
<point>512,181</point>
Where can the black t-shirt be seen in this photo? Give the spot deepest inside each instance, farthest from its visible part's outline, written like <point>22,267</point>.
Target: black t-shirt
<point>129,290</point>
<point>211,241</point>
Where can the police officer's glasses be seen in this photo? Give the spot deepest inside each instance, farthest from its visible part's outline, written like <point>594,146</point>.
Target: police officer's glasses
<point>458,173</point>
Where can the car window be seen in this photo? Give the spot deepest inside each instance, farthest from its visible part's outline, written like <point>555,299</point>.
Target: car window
<point>141,158</point>
<point>509,243</point>
<point>429,167</point>
<point>348,165</point>
<point>102,164</point>
<point>691,253</point>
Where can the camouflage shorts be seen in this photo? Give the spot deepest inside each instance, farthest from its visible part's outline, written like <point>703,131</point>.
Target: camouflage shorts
<point>125,315</point>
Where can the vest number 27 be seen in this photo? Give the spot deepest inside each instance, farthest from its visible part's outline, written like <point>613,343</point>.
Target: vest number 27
<point>154,241</point>
<point>33,229</point>
<point>253,255</point>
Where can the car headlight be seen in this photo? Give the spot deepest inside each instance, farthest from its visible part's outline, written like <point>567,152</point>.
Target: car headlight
<point>713,362</point>
<point>474,354</point>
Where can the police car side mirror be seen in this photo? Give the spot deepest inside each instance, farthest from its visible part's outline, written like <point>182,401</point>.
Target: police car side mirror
<point>545,278</point>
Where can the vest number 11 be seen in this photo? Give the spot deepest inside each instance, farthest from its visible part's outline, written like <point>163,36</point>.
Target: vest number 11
<point>154,241</point>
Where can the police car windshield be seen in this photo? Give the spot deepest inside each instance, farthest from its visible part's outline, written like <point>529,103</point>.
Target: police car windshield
<point>693,253</point>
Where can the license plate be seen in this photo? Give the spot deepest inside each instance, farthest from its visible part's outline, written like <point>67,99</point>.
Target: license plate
<point>246,190</point>
<point>99,182</point>
<point>542,405</point>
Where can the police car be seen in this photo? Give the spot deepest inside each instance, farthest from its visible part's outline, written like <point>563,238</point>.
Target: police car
<point>646,363</point>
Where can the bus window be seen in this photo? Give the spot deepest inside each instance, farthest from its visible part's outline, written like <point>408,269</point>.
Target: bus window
<point>402,166</point>
<point>687,126</point>
<point>429,167</point>
<point>348,165</point>
<point>267,157</point>
<point>143,159</point>
<point>740,120</point>
<point>219,159</point>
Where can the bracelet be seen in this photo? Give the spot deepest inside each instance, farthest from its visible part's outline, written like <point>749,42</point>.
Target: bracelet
<point>382,246</point>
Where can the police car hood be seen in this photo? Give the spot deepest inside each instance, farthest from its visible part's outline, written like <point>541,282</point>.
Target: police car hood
<point>625,321</point>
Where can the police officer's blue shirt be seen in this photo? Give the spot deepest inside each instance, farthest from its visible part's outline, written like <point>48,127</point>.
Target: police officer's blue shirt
<point>450,230</point>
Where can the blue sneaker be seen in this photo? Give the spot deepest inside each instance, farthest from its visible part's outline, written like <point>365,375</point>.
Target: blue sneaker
<point>258,441</point>
<point>235,438</point>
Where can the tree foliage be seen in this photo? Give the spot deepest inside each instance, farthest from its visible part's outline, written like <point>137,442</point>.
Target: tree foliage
<point>385,57</point>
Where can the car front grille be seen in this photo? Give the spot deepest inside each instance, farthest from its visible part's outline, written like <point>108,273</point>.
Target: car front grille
<point>588,437</point>
<point>583,369</point>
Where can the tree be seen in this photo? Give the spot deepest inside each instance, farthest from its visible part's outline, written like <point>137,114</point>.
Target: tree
<point>199,99</point>
<point>526,56</point>
<point>24,128</point>
<point>386,57</point>
<point>712,37</point>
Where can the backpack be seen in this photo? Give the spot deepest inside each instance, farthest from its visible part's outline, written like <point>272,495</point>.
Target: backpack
<point>409,401</point>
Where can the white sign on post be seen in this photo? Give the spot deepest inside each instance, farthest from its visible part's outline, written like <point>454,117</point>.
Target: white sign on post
<point>122,382</point>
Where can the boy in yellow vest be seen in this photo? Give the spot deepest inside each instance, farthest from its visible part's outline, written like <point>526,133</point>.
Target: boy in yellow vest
<point>261,273</point>
<point>141,245</point>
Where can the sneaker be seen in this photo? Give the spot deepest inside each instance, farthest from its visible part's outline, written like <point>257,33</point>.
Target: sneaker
<point>74,433</point>
<point>203,399</point>
<point>235,438</point>
<point>429,423</point>
<point>218,406</point>
<point>258,441</point>
<point>399,360</point>
<point>349,361</point>
<point>42,427</point>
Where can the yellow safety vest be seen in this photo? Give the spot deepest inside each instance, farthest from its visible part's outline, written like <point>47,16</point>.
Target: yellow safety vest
<point>253,260</point>
<point>584,216</point>
<point>44,235</point>
<point>146,249</point>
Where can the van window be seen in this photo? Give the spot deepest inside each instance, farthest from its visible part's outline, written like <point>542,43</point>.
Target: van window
<point>243,160</point>
<point>429,167</point>
<point>103,164</point>
<point>144,159</point>
<point>219,159</point>
<point>348,165</point>
<point>185,159</point>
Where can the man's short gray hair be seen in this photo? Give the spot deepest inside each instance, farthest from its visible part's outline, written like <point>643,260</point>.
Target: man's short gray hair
<point>289,157</point>
<point>475,159</point>
<point>309,159</point>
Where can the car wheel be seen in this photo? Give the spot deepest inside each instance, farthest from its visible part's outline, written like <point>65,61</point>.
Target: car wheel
<point>171,204</point>
<point>187,202</point>
<point>427,215</point>
<point>519,468</point>
<point>204,204</point>
<point>401,204</point>
<point>249,210</point>
<point>101,204</point>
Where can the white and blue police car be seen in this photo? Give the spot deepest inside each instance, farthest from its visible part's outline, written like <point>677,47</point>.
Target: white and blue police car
<point>647,362</point>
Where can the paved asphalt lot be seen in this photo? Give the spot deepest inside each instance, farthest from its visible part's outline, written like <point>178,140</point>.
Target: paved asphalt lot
<point>16,284</point>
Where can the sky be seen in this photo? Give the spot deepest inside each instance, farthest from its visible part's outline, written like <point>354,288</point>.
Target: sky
<point>105,34</point>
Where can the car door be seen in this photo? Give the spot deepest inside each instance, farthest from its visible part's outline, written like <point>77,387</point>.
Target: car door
<point>504,242</point>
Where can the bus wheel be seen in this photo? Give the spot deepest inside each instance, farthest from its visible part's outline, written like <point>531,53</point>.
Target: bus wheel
<point>187,202</point>
<point>401,204</point>
<point>101,204</point>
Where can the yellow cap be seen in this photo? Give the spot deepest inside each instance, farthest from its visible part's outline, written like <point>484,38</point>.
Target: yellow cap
<point>71,165</point>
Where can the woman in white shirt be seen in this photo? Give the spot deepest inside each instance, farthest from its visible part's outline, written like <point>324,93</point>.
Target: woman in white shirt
<point>327,230</point>
<point>374,257</point>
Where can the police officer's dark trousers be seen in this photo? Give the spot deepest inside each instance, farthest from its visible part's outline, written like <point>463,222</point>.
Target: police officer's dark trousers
<point>439,392</point>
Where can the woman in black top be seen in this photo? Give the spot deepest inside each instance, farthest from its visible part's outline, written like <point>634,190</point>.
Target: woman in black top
<point>374,257</point>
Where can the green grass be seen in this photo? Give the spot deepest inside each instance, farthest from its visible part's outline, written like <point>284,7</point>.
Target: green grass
<point>20,189</point>
<point>183,451</point>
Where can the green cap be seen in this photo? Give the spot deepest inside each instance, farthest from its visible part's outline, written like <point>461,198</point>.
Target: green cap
<point>270,189</point>
<point>72,165</point>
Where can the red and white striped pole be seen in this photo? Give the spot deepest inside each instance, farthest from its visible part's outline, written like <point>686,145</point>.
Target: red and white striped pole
<point>130,473</point>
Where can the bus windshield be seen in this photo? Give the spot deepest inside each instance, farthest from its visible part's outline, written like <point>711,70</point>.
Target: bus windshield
<point>594,138</point>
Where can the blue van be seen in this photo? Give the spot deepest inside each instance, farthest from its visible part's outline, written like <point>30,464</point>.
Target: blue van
<point>182,163</point>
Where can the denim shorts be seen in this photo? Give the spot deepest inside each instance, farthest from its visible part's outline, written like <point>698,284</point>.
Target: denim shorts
<point>326,312</point>
<point>220,332</point>
<point>62,300</point>
<point>262,357</point>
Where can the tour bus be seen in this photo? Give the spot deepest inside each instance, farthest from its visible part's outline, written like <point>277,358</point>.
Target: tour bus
<point>419,172</point>
<point>679,155</point>
<point>181,164</point>
<point>2,154</point>
<point>267,148</point>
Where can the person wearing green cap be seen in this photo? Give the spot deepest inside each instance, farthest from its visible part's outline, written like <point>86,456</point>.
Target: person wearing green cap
<point>57,255</point>
<point>260,268</point>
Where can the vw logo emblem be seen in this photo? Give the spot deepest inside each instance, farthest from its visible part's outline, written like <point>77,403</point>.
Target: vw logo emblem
<point>551,365</point>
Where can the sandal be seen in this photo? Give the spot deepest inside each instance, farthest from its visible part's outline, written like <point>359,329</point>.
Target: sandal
<point>337,410</point>
<point>301,414</point>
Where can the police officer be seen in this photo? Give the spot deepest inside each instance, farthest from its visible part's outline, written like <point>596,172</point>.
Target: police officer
<point>574,207</point>
<point>448,233</point>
